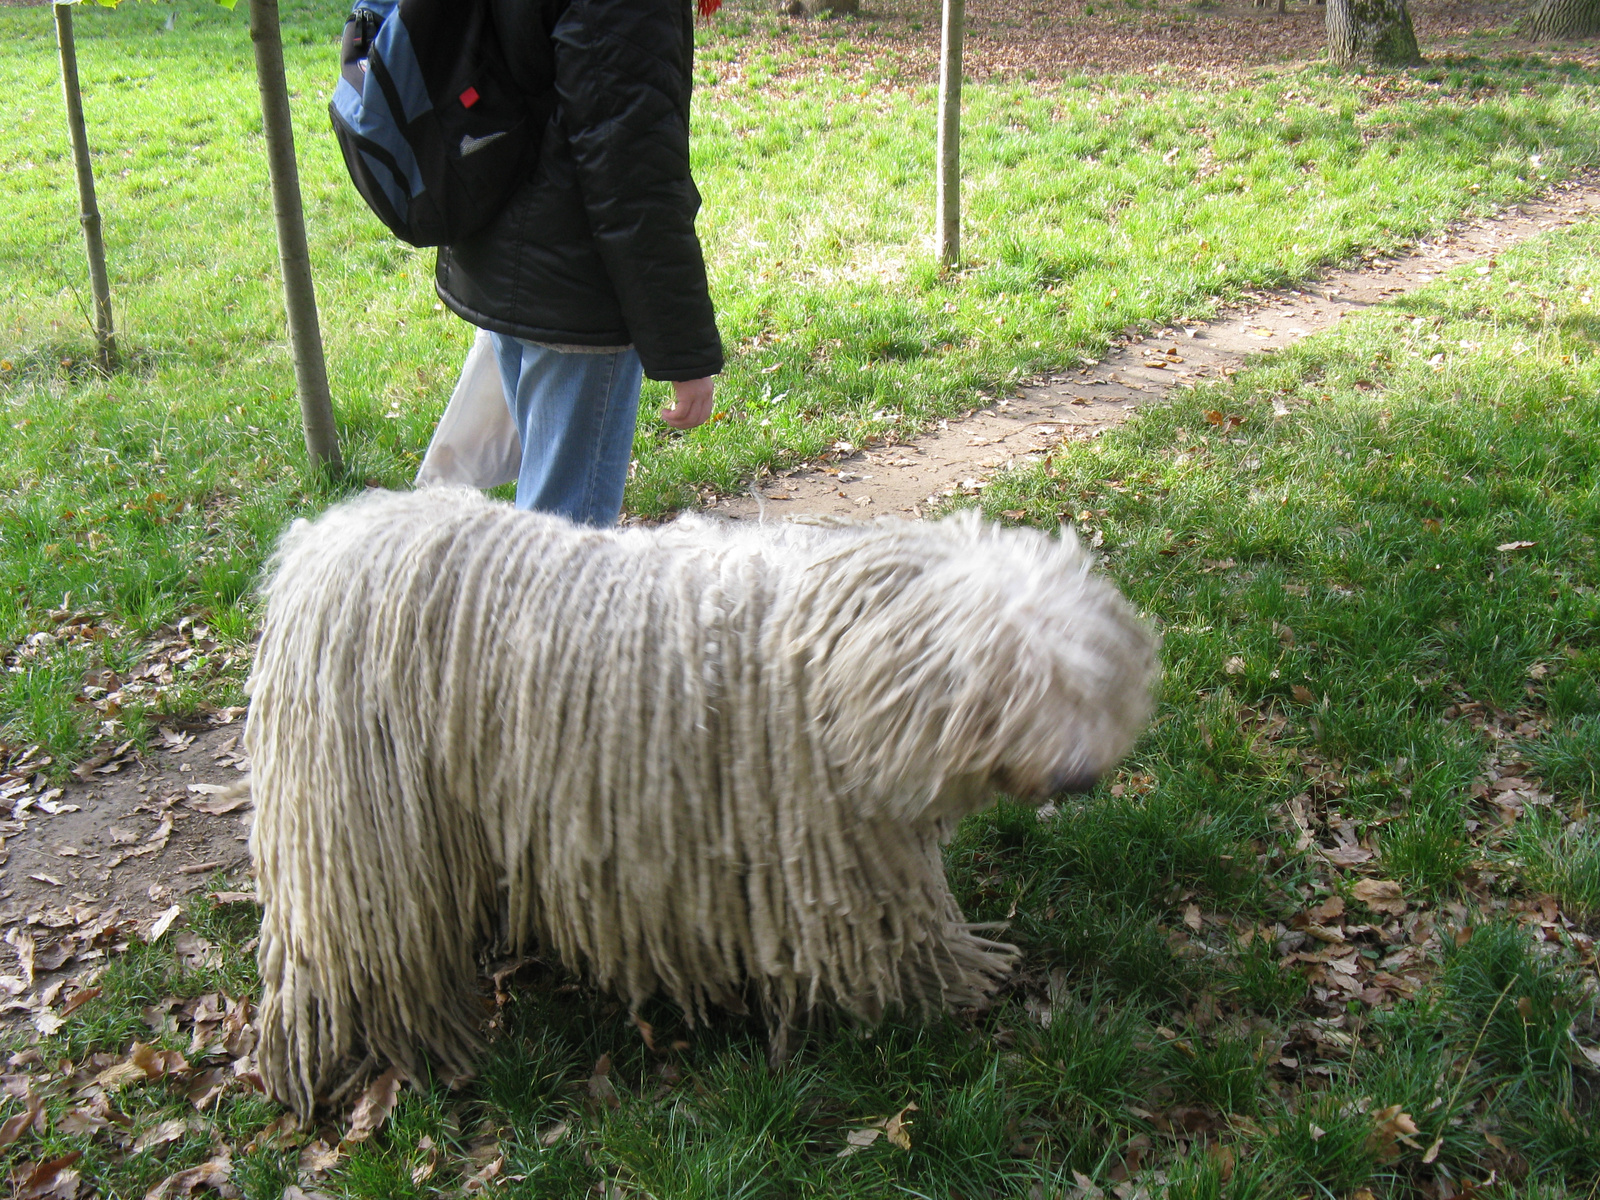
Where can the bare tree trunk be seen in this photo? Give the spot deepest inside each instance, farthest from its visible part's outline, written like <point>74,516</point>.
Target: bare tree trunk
<point>1551,20</point>
<point>299,296</point>
<point>1371,31</point>
<point>88,208</point>
<point>949,151</point>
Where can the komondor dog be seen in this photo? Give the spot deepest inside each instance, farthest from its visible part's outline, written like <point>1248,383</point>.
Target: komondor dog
<point>711,761</point>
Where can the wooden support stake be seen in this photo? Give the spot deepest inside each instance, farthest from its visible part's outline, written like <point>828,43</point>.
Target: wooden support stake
<point>949,152</point>
<point>299,295</point>
<point>88,208</point>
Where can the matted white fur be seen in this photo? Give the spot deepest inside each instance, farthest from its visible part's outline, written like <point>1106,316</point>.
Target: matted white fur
<point>710,760</point>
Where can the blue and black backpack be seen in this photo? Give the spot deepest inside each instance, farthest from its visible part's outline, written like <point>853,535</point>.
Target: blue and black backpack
<point>436,126</point>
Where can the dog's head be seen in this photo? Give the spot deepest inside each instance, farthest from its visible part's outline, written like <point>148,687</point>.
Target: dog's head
<point>958,659</point>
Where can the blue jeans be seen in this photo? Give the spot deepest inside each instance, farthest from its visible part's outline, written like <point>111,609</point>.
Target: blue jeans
<point>575,414</point>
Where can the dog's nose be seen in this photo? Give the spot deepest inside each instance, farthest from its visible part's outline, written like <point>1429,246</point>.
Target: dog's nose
<point>1073,783</point>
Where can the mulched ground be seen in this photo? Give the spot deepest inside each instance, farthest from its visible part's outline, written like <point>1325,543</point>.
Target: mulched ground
<point>1053,39</point>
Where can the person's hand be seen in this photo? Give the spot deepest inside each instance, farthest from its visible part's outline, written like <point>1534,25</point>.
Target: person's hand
<point>691,403</point>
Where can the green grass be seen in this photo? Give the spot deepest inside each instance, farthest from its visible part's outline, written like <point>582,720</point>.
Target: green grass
<point>1092,206</point>
<point>1363,499</point>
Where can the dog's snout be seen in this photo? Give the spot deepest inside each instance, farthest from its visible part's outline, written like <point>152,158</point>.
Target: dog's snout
<point>1074,783</point>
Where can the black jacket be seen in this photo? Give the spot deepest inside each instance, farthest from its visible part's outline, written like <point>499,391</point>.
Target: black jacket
<point>598,247</point>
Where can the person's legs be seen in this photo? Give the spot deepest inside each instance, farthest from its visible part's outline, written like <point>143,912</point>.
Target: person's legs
<point>575,414</point>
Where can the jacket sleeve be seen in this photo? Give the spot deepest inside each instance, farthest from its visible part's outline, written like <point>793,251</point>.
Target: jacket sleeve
<point>622,80</point>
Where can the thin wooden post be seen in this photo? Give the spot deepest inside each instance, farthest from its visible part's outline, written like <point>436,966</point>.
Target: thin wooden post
<point>88,208</point>
<point>299,295</point>
<point>949,152</point>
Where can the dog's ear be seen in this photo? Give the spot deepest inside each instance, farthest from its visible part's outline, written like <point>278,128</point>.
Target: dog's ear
<point>900,712</point>
<point>970,663</point>
<point>912,675</point>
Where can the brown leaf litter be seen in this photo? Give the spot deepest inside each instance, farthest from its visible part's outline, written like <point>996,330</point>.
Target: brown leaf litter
<point>895,43</point>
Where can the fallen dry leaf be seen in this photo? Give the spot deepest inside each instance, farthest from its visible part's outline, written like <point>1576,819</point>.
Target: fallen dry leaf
<point>600,1089</point>
<point>1380,895</point>
<point>1223,1156</point>
<point>424,1170</point>
<point>375,1105</point>
<point>171,739</point>
<point>280,1135</point>
<point>897,1129</point>
<point>481,1178</point>
<point>210,1175</point>
<point>319,1158</point>
<point>101,762</point>
<point>144,1062</point>
<point>1330,908</point>
<point>91,1118</point>
<point>858,1140</point>
<point>1347,856</point>
<point>238,1034</point>
<point>1391,1125</point>
<point>1234,666</point>
<point>1515,545</point>
<point>1302,694</point>
<point>22,942</point>
<point>221,804</point>
<point>157,1064</point>
<point>79,999</point>
<point>164,921</point>
<point>194,951</point>
<point>49,1180</point>
<point>16,1126</point>
<point>116,1076</point>
<point>205,1088</point>
<point>160,1135</point>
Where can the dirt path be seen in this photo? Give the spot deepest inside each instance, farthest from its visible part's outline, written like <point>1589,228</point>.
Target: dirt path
<point>960,456</point>
<point>84,865</point>
<point>89,863</point>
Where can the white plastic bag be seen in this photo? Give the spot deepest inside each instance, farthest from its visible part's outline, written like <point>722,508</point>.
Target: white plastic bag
<point>476,443</point>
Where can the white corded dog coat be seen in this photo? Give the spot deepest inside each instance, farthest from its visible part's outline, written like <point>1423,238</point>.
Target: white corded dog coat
<point>714,761</point>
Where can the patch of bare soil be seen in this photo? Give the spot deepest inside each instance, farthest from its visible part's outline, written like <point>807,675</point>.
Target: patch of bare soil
<point>1049,39</point>
<point>90,863</point>
<point>960,456</point>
